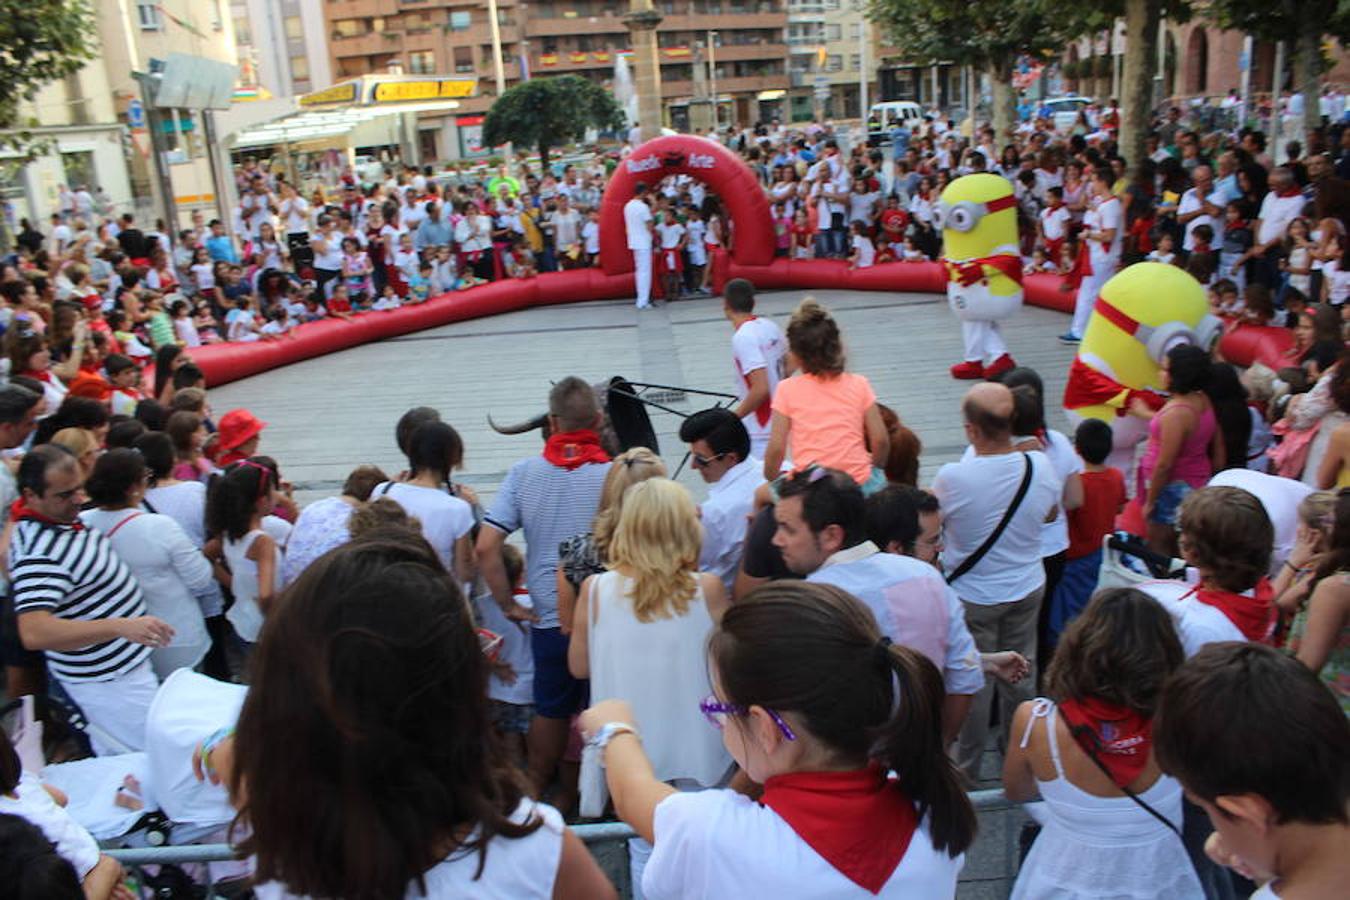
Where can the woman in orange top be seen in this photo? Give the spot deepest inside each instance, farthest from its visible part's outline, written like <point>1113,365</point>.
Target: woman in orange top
<point>830,415</point>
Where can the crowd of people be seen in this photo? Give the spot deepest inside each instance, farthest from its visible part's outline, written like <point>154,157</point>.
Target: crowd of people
<point>785,689</point>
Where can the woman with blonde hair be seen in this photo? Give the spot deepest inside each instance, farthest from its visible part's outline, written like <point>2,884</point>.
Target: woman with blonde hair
<point>1292,584</point>
<point>640,634</point>
<point>584,555</point>
<point>82,443</point>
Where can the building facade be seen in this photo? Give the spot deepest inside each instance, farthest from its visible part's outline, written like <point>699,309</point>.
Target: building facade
<point>553,37</point>
<point>831,46</point>
<point>282,46</point>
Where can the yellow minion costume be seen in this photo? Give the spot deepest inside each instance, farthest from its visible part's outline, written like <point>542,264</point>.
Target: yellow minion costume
<point>1142,312</point>
<point>978,218</point>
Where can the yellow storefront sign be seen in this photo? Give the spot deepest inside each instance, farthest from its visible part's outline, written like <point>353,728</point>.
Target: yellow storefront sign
<point>338,93</point>
<point>412,91</point>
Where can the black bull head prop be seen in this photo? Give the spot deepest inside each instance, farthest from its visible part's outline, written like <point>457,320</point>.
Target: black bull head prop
<point>626,424</point>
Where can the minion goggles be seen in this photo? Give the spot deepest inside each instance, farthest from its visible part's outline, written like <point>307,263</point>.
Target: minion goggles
<point>964,215</point>
<point>1158,339</point>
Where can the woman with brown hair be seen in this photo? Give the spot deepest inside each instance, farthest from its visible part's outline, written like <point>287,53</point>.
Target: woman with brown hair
<point>366,727</point>
<point>843,729</point>
<point>1111,817</point>
<point>187,431</point>
<point>1320,634</point>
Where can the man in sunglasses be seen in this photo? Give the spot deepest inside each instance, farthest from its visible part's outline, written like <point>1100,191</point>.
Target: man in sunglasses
<point>822,533</point>
<point>719,450</point>
<point>78,601</point>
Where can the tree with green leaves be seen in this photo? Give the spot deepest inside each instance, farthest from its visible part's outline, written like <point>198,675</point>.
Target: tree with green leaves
<point>1301,25</point>
<point>43,41</point>
<point>549,112</point>
<point>988,35</point>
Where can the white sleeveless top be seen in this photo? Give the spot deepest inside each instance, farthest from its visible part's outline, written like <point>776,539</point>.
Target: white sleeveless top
<point>245,615</point>
<point>1103,847</point>
<point>660,668</point>
<point>515,868</point>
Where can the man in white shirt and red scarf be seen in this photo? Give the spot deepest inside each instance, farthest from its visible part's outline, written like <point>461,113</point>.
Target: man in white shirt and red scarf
<point>757,352</point>
<point>551,497</point>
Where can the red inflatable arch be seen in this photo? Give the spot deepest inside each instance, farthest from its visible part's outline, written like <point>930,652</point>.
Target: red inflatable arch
<point>681,154</point>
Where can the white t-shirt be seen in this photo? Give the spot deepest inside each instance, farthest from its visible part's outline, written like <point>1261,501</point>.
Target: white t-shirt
<point>1109,214</point>
<point>32,802</point>
<point>974,494</point>
<point>328,251</point>
<point>670,234</point>
<point>698,234</point>
<point>1279,496</point>
<point>1064,461</point>
<point>1190,202</point>
<point>513,868</point>
<point>445,518</point>
<point>1198,624</point>
<point>758,344</point>
<point>1276,214</point>
<point>721,844</point>
<point>296,212</point>
<point>590,236</point>
<point>866,252</point>
<point>637,218</point>
<point>725,514</point>
<point>1055,221</point>
<point>862,207</point>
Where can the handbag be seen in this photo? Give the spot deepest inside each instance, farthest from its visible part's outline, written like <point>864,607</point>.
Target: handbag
<point>973,559</point>
<point>1116,570</point>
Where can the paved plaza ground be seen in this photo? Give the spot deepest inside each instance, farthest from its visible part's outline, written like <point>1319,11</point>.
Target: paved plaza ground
<point>330,414</point>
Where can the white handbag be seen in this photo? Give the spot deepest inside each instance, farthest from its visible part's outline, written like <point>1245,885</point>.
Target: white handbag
<point>1127,562</point>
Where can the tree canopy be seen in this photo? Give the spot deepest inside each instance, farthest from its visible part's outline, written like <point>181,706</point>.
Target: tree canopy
<point>43,41</point>
<point>549,112</point>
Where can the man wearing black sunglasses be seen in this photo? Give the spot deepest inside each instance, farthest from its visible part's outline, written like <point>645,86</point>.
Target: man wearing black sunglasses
<point>719,450</point>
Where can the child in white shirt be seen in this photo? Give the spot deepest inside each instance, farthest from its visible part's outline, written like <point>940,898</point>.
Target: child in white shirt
<point>911,252</point>
<point>590,237</point>
<point>1163,253</point>
<point>864,254</point>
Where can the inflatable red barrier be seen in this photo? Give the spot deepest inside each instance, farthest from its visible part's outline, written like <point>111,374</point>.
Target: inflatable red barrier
<point>223,363</point>
<point>1269,345</point>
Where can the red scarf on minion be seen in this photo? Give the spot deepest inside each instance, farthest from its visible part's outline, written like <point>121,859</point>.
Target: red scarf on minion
<point>858,821</point>
<point>572,449</point>
<point>1254,616</point>
<point>1088,387</point>
<point>970,271</point>
<point>1118,737</point>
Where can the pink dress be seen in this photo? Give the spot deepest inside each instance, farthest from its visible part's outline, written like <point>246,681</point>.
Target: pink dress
<point>1192,464</point>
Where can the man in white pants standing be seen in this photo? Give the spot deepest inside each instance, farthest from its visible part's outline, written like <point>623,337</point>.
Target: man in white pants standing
<point>1104,231</point>
<point>637,219</point>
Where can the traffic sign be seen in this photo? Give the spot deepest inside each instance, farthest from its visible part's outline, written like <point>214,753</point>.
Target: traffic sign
<point>136,114</point>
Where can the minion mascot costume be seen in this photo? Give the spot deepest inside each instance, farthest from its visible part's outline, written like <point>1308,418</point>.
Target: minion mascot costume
<point>978,218</point>
<point>1141,313</point>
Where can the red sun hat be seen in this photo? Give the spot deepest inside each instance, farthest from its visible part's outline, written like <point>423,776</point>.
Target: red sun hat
<point>236,427</point>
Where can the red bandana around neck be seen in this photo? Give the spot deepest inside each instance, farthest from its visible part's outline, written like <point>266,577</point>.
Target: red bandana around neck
<point>970,271</point>
<point>18,511</point>
<point>858,821</point>
<point>1294,191</point>
<point>1254,616</point>
<point>1119,737</point>
<point>572,449</point>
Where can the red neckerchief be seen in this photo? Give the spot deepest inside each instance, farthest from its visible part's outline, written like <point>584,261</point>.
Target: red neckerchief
<point>1236,224</point>
<point>1201,246</point>
<point>764,411</point>
<point>1119,737</point>
<point>858,821</point>
<point>1294,191</point>
<point>44,376</point>
<point>970,271</point>
<point>1254,616</point>
<point>19,511</point>
<point>572,449</point>
<point>1082,267</point>
<point>1088,387</point>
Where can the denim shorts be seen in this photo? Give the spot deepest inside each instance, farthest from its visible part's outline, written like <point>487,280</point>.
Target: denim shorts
<point>511,718</point>
<point>1169,502</point>
<point>557,695</point>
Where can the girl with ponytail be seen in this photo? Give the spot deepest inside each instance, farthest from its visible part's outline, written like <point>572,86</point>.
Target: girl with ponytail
<point>843,729</point>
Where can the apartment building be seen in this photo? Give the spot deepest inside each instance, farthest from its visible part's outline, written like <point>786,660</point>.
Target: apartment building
<point>282,46</point>
<point>830,46</point>
<point>549,37</point>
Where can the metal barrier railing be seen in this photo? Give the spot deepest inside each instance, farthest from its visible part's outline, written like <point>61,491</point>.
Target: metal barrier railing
<point>604,832</point>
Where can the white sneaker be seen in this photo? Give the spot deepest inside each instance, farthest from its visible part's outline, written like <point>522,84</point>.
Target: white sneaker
<point>644,306</point>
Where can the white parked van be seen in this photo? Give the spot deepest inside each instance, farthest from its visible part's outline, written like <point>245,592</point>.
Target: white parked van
<point>884,116</point>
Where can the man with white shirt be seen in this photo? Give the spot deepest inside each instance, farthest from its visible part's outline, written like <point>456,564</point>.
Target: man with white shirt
<point>1280,498</point>
<point>1200,205</point>
<point>757,353</point>
<point>719,450</point>
<point>637,220</point>
<point>1226,536</point>
<point>294,212</point>
<point>822,536</point>
<point>1104,232</point>
<point>1002,587</point>
<point>1281,206</point>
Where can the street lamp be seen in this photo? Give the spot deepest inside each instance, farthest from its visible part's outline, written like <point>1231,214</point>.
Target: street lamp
<point>712,76</point>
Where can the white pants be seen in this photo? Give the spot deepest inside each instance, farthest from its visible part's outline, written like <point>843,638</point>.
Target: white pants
<point>1087,298</point>
<point>984,342</point>
<point>642,270</point>
<point>116,708</point>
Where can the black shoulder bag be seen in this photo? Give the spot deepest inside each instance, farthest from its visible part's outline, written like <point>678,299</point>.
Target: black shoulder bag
<point>973,559</point>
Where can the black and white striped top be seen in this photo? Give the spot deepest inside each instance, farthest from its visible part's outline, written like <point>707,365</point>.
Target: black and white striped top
<point>74,574</point>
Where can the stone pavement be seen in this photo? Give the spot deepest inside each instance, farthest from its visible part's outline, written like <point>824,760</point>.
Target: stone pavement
<point>329,414</point>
